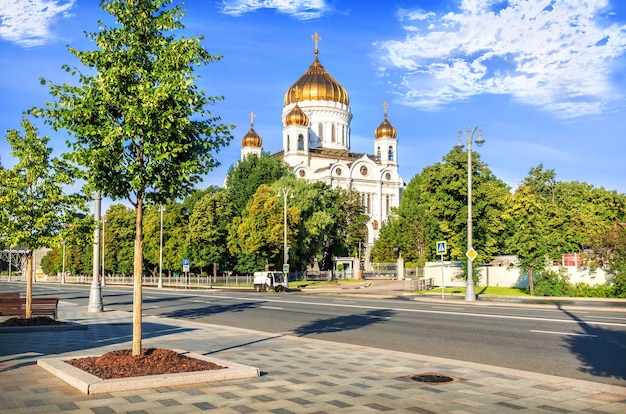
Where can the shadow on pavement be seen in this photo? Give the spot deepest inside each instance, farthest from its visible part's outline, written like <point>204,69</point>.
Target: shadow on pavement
<point>343,323</point>
<point>602,352</point>
<point>27,346</point>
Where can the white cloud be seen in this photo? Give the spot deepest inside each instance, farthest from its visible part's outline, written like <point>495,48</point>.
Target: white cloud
<point>27,23</point>
<point>556,54</point>
<point>300,9</point>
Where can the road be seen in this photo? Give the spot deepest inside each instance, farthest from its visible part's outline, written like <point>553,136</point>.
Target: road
<point>581,343</point>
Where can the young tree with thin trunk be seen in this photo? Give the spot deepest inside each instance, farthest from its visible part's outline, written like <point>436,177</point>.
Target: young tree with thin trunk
<point>140,126</point>
<point>34,209</point>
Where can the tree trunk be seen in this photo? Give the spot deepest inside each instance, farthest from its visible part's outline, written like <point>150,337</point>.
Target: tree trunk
<point>29,283</point>
<point>531,280</point>
<point>138,276</point>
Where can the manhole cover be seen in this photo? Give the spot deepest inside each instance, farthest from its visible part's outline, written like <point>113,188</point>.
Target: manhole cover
<point>431,378</point>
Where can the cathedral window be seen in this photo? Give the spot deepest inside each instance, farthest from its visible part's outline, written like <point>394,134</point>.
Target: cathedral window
<point>375,225</point>
<point>288,142</point>
<point>378,154</point>
<point>390,153</point>
<point>300,142</point>
<point>333,133</point>
<point>320,131</point>
<point>343,135</point>
<point>387,205</point>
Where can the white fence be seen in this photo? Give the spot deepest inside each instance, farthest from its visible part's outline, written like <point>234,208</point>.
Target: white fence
<point>451,274</point>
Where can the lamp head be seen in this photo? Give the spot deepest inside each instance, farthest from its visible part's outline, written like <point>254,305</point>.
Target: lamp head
<point>459,145</point>
<point>480,140</point>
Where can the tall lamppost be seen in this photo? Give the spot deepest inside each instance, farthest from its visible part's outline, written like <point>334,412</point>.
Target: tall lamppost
<point>103,283</point>
<point>95,293</point>
<point>471,253</point>
<point>63,269</point>
<point>160,284</point>
<point>286,192</point>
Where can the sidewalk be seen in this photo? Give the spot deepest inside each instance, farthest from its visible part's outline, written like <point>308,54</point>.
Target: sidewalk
<point>298,375</point>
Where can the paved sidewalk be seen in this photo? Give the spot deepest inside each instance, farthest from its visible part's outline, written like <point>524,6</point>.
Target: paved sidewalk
<point>299,375</point>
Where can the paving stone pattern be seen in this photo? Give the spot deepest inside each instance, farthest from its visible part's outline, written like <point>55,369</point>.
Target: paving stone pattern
<point>299,375</point>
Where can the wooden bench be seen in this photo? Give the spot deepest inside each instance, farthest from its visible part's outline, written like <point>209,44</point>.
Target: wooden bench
<point>9,295</point>
<point>39,306</point>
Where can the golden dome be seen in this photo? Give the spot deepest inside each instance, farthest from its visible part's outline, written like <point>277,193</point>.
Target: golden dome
<point>316,85</point>
<point>251,139</point>
<point>296,117</point>
<point>385,129</point>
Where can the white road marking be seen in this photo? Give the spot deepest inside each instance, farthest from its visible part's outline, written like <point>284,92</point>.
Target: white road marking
<point>564,333</point>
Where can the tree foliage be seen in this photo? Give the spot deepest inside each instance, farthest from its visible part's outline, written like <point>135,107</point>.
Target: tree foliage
<point>245,177</point>
<point>35,212</point>
<point>140,126</point>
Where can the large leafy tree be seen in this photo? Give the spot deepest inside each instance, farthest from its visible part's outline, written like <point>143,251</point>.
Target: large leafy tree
<point>245,177</point>
<point>434,207</point>
<point>34,209</point>
<point>257,237</point>
<point>208,230</point>
<point>140,126</point>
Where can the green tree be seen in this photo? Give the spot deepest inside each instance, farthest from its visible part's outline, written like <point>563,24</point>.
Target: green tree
<point>257,237</point>
<point>245,177</point>
<point>434,207</point>
<point>532,214</point>
<point>34,210</point>
<point>208,230</point>
<point>140,125</point>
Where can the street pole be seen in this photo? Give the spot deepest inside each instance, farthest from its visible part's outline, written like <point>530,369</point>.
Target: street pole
<point>63,269</point>
<point>285,192</point>
<point>95,293</point>
<point>471,254</point>
<point>160,284</point>
<point>103,282</point>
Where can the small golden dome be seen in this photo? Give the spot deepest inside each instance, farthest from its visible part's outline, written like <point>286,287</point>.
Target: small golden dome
<point>296,117</point>
<point>316,85</point>
<point>385,129</point>
<point>251,139</point>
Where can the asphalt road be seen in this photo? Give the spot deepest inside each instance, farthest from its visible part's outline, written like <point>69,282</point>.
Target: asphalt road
<point>587,344</point>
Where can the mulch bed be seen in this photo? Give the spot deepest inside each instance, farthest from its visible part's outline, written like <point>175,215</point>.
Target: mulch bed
<point>151,361</point>
<point>33,321</point>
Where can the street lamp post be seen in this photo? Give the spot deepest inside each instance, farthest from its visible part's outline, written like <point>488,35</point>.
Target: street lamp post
<point>103,282</point>
<point>286,192</point>
<point>63,269</point>
<point>95,293</point>
<point>160,285</point>
<point>471,253</point>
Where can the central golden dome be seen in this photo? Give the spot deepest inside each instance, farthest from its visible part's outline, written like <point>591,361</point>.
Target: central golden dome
<point>316,85</point>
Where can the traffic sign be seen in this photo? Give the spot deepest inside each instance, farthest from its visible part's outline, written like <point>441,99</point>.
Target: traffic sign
<point>185,265</point>
<point>286,268</point>
<point>471,254</point>
<point>441,247</point>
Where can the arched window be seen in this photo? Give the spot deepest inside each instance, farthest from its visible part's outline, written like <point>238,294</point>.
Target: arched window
<point>378,154</point>
<point>375,225</point>
<point>390,153</point>
<point>288,142</point>
<point>300,142</point>
<point>343,135</point>
<point>333,133</point>
<point>387,205</point>
<point>320,131</point>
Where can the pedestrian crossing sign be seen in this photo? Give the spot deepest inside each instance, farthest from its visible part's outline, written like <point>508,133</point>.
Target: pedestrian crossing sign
<point>441,247</point>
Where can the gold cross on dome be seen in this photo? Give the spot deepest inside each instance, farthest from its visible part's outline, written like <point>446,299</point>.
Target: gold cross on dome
<point>251,115</point>
<point>316,38</point>
<point>385,105</point>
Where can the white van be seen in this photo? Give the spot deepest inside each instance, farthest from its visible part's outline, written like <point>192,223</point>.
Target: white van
<point>266,281</point>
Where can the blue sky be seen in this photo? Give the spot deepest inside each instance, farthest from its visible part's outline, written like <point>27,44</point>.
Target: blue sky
<point>545,79</point>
